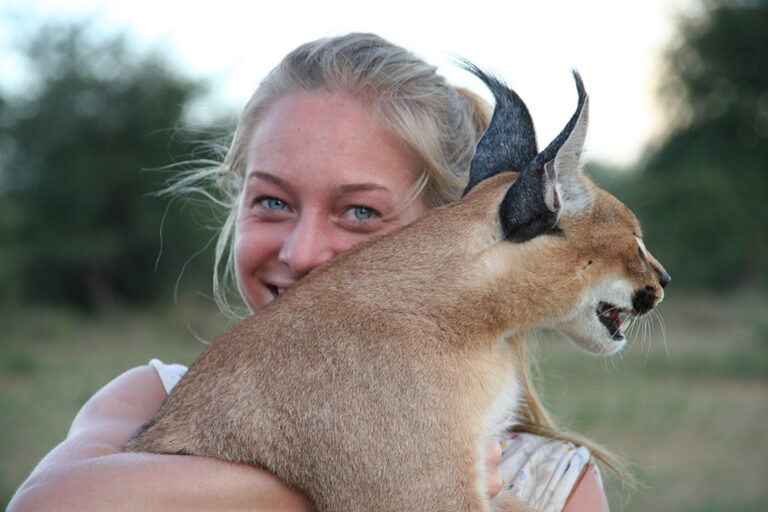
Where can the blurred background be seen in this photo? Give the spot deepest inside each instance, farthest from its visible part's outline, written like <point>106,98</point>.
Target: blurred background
<point>100,104</point>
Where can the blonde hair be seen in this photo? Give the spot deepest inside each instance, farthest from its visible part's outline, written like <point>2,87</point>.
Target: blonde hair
<point>440,124</point>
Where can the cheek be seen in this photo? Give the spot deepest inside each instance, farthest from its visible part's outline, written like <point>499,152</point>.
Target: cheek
<point>634,263</point>
<point>254,247</point>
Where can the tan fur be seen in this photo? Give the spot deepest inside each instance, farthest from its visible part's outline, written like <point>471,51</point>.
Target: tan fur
<point>376,381</point>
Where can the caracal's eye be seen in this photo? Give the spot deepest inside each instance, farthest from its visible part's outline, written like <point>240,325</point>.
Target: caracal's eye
<point>641,250</point>
<point>273,203</point>
<point>641,245</point>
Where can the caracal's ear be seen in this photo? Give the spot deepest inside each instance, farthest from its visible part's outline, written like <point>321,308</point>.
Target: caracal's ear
<point>509,143</point>
<point>565,170</point>
<point>551,185</point>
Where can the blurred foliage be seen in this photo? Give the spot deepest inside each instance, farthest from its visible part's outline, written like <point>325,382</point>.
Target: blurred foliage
<point>78,145</point>
<point>702,194</point>
<point>79,224</point>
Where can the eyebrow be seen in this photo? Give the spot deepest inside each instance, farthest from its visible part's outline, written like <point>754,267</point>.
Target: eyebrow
<point>344,189</point>
<point>361,187</point>
<point>268,177</point>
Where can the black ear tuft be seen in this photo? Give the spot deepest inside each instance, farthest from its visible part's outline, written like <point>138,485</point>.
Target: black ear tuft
<point>548,154</point>
<point>534,202</point>
<point>523,212</point>
<point>509,143</point>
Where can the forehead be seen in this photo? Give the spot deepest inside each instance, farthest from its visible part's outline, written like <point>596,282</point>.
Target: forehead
<point>338,114</point>
<point>332,134</point>
<point>608,209</point>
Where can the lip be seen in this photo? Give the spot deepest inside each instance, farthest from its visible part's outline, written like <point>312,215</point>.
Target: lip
<point>277,288</point>
<point>614,318</point>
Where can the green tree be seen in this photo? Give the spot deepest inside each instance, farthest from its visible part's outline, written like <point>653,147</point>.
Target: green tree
<point>703,193</point>
<point>78,222</point>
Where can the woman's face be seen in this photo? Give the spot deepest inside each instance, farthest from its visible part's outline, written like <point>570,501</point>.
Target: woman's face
<point>321,176</point>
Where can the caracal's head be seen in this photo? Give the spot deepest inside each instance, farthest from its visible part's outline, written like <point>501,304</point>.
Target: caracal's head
<point>577,250</point>
<point>615,277</point>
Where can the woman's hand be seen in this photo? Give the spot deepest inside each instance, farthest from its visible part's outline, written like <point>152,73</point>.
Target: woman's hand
<point>88,471</point>
<point>493,477</point>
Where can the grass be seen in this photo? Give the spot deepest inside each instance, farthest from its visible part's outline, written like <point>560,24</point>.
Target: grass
<point>52,361</point>
<point>690,415</point>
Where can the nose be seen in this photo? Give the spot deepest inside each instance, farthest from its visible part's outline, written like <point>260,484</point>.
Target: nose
<point>661,274</point>
<point>307,245</point>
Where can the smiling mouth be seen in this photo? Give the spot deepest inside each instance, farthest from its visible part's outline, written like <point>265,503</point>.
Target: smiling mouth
<point>610,316</point>
<point>275,290</point>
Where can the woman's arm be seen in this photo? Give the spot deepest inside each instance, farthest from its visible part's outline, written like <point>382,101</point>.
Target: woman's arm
<point>87,471</point>
<point>588,494</point>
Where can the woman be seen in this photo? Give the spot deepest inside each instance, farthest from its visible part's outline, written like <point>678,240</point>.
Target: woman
<point>346,139</point>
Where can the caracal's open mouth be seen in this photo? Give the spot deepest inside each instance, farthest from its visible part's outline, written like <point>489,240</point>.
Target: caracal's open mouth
<point>610,316</point>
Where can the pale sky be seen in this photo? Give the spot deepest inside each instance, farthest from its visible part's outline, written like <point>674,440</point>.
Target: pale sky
<point>533,45</point>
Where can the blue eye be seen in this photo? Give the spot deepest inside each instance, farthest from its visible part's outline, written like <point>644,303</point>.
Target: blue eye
<point>362,212</point>
<point>274,203</point>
